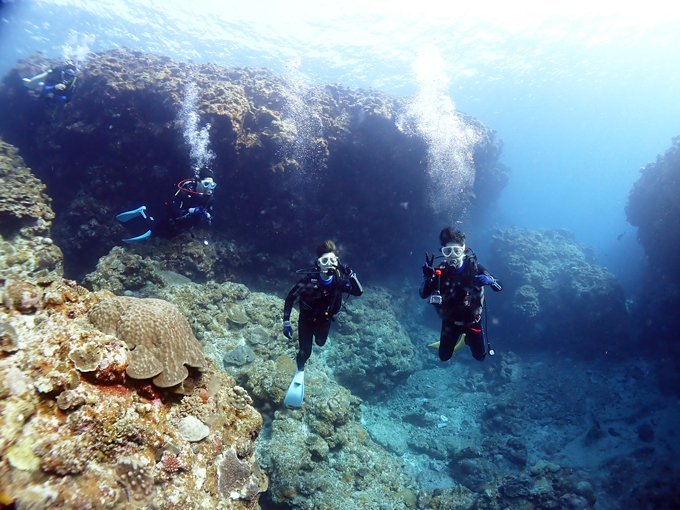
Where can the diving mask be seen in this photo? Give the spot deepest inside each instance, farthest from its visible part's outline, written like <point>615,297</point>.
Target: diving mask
<point>206,186</point>
<point>454,253</point>
<point>455,250</point>
<point>328,260</point>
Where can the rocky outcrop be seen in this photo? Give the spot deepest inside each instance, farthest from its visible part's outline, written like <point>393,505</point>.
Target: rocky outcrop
<point>654,208</point>
<point>27,252</point>
<point>555,295</point>
<point>76,432</point>
<point>291,160</point>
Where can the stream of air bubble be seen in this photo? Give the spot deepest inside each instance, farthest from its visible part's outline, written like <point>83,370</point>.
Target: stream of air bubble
<point>197,139</point>
<point>450,141</point>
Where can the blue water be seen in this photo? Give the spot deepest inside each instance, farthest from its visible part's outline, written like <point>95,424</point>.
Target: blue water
<point>583,95</point>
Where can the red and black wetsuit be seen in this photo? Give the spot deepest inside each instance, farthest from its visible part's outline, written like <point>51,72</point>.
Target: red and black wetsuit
<point>461,307</point>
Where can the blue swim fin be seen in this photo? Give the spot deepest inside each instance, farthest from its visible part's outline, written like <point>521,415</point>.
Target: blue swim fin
<point>296,390</point>
<point>145,235</point>
<point>127,216</point>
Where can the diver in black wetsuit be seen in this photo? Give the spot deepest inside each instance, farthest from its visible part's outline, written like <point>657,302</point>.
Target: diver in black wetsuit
<point>456,289</point>
<point>191,207</point>
<point>320,295</point>
<point>58,83</point>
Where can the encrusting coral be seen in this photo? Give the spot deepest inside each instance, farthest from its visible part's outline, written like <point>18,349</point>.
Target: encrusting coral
<point>26,249</point>
<point>159,337</point>
<point>77,432</point>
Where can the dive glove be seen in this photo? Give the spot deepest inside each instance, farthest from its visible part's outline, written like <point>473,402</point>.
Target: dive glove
<point>346,269</point>
<point>200,211</point>
<point>287,329</point>
<point>485,279</point>
<point>428,270</point>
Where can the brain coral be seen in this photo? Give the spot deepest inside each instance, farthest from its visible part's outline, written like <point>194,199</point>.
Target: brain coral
<point>159,337</point>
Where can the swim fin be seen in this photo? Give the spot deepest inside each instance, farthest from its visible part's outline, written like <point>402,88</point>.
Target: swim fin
<point>296,390</point>
<point>461,343</point>
<point>127,216</point>
<point>37,81</point>
<point>145,235</point>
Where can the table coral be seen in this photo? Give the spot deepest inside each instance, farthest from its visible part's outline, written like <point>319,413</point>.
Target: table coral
<point>159,337</point>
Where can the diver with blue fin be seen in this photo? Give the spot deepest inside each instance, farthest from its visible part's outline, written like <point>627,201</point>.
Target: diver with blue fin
<point>320,294</point>
<point>58,83</point>
<point>191,207</point>
<point>456,290</point>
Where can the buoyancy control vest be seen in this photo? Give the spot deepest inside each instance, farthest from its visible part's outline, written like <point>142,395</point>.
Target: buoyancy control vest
<point>462,299</point>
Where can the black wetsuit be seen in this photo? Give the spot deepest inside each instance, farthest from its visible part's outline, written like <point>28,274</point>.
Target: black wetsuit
<point>462,304</point>
<point>320,301</point>
<point>175,215</point>
<point>178,216</point>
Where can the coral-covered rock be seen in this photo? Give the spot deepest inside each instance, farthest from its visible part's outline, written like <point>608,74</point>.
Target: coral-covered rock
<point>555,294</point>
<point>280,148</point>
<point>69,440</point>
<point>371,351</point>
<point>160,341</point>
<point>26,249</point>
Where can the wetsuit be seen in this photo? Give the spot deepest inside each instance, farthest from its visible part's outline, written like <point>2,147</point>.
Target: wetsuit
<point>181,210</point>
<point>462,304</point>
<point>320,301</point>
<point>65,76</point>
<point>187,209</point>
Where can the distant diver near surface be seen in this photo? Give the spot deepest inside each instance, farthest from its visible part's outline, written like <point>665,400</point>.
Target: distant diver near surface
<point>456,289</point>
<point>57,83</point>
<point>320,293</point>
<point>191,207</point>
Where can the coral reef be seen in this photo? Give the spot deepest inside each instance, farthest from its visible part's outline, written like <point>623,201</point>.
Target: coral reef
<point>26,250</point>
<point>158,336</point>
<point>121,130</point>
<point>554,290</point>
<point>371,353</point>
<point>320,456</point>
<point>77,433</point>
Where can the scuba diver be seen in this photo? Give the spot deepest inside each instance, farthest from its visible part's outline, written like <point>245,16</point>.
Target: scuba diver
<point>191,207</point>
<point>456,289</point>
<point>58,83</point>
<point>320,294</point>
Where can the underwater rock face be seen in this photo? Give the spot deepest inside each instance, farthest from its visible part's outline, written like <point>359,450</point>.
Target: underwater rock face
<point>27,252</point>
<point>555,296</point>
<point>76,435</point>
<point>118,144</point>
<point>654,208</point>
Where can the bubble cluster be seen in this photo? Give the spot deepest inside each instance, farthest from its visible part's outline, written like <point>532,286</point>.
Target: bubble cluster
<point>197,139</point>
<point>450,141</point>
<point>303,148</point>
<point>77,47</point>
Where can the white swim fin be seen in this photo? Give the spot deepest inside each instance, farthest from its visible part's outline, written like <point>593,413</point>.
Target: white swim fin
<point>296,390</point>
